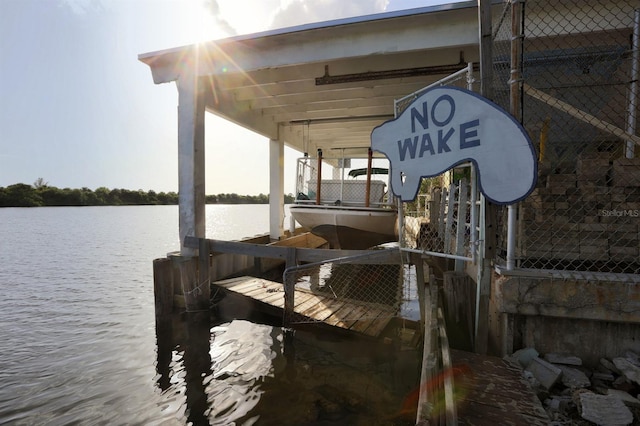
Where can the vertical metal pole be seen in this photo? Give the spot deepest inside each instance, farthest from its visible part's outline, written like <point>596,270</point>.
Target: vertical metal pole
<point>473,236</point>
<point>633,88</point>
<point>483,281</point>
<point>511,237</point>
<point>368,191</point>
<point>486,54</point>
<point>515,84</point>
<point>462,224</point>
<point>289,287</point>
<point>319,183</point>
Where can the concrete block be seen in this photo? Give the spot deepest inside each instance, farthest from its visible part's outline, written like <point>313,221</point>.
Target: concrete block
<point>573,378</point>
<point>632,357</point>
<point>605,377</point>
<point>544,372</point>
<point>610,366</point>
<point>623,396</point>
<point>626,172</point>
<point>628,369</point>
<point>525,356</point>
<point>604,409</point>
<point>556,358</point>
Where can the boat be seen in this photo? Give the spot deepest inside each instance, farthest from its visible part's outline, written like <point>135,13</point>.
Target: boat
<point>352,210</point>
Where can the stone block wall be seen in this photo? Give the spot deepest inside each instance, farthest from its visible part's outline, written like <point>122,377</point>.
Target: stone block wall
<point>585,211</point>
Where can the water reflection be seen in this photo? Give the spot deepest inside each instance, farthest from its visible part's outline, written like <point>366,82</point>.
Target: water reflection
<point>245,373</point>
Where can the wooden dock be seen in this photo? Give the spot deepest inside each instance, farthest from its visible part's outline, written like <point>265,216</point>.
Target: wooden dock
<point>349,315</point>
<point>495,393</point>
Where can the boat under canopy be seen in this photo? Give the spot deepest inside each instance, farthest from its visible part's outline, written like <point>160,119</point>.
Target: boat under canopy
<point>348,212</point>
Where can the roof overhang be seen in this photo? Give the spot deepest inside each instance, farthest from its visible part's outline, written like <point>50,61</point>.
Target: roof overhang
<point>326,85</point>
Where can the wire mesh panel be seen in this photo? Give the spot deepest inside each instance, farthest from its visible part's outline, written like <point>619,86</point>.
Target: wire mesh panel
<point>360,292</point>
<point>579,93</point>
<point>431,222</point>
<point>442,224</point>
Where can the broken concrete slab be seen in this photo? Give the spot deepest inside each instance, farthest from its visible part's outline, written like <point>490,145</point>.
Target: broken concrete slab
<point>633,357</point>
<point>545,373</point>
<point>605,377</point>
<point>573,378</point>
<point>524,356</point>
<point>604,409</point>
<point>628,369</point>
<point>609,366</point>
<point>625,397</point>
<point>557,358</point>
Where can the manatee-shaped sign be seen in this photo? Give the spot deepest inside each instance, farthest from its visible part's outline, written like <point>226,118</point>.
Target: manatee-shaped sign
<point>447,126</point>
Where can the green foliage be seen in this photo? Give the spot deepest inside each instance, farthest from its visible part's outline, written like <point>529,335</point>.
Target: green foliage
<point>41,194</point>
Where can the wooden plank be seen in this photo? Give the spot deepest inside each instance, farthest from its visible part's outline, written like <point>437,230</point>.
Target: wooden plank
<point>274,298</point>
<point>306,240</point>
<point>305,301</point>
<point>358,313</point>
<point>241,286</point>
<point>323,310</point>
<point>342,313</point>
<point>373,326</point>
<point>265,288</point>
<point>387,256</point>
<point>426,398</point>
<point>376,327</point>
<point>495,393</point>
<point>451,412</point>
<point>231,282</point>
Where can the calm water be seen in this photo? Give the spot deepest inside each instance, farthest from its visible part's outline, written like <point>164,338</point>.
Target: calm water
<point>80,345</point>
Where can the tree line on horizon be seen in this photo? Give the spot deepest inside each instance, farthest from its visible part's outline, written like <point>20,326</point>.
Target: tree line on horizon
<point>40,194</point>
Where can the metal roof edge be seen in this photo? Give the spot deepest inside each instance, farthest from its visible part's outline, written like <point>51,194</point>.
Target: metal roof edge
<point>322,25</point>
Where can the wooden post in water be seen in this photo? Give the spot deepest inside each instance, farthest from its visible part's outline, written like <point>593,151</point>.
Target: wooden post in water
<point>163,287</point>
<point>289,287</point>
<point>429,386</point>
<point>204,276</point>
<point>196,293</point>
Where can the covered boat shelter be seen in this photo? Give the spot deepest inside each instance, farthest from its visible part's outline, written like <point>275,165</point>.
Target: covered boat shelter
<point>317,86</point>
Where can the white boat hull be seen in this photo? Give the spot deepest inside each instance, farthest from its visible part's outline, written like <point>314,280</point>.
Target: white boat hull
<point>348,227</point>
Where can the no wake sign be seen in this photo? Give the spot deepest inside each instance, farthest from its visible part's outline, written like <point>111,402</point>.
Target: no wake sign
<point>447,126</point>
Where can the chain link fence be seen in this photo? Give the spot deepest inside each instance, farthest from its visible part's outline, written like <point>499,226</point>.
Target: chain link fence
<point>578,86</point>
<point>361,292</point>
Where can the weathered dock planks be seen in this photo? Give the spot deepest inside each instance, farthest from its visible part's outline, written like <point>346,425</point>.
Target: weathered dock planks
<point>347,314</point>
<point>495,393</point>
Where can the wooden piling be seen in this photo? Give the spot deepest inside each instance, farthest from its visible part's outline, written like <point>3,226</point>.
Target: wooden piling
<point>163,287</point>
<point>196,293</point>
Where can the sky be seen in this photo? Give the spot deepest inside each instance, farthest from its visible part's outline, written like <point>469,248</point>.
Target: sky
<point>78,109</point>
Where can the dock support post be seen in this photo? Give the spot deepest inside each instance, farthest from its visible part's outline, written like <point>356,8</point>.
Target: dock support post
<point>289,288</point>
<point>196,293</point>
<point>204,274</point>
<point>163,288</point>
<point>430,360</point>
<point>276,189</point>
<point>191,175</point>
<point>418,263</point>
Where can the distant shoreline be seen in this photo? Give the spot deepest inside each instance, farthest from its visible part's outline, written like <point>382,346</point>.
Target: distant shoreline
<point>42,195</point>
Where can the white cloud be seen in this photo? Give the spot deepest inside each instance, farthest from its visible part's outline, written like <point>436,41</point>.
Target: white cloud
<point>213,7</point>
<point>298,12</point>
<point>82,7</point>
